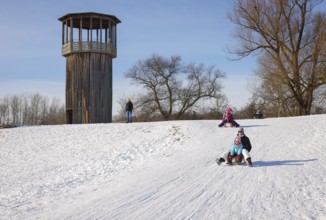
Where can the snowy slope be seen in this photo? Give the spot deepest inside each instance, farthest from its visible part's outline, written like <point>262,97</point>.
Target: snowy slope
<point>163,170</point>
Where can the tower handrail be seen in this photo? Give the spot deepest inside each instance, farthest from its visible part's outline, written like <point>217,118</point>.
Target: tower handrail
<point>89,46</point>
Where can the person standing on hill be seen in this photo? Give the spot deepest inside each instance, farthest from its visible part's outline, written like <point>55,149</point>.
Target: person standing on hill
<point>129,108</point>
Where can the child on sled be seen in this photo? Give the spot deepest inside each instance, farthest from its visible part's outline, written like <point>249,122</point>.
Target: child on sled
<point>235,151</point>
<point>246,148</point>
<point>228,118</point>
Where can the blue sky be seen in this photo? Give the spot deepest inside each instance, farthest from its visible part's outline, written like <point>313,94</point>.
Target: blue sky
<point>198,31</point>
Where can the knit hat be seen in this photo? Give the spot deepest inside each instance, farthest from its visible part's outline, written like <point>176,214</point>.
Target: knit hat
<point>240,130</point>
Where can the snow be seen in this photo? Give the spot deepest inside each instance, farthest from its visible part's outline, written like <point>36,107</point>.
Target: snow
<point>163,170</point>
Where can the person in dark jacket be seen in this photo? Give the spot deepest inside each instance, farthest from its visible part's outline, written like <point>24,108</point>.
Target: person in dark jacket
<point>129,108</point>
<point>245,141</point>
<point>258,115</point>
<point>246,146</point>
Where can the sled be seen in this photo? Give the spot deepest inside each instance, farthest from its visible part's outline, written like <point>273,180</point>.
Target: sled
<point>243,162</point>
<point>228,125</point>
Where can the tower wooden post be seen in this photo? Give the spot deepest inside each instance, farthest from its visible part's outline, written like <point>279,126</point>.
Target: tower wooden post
<point>89,43</point>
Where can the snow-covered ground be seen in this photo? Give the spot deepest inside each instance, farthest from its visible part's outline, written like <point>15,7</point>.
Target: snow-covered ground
<point>163,170</point>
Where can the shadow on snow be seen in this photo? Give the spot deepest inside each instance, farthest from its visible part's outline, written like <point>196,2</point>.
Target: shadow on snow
<point>252,126</point>
<point>281,163</point>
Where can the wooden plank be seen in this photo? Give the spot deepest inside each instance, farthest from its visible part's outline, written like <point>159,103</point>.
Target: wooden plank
<point>89,84</point>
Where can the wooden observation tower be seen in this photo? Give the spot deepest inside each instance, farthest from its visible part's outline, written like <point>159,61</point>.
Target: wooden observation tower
<point>89,43</point>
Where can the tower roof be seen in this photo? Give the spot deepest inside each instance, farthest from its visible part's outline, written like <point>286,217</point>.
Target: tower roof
<point>86,22</point>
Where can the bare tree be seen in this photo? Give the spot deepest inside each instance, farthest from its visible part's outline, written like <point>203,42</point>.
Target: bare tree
<point>173,88</point>
<point>4,111</point>
<point>272,90</point>
<point>319,105</point>
<point>292,39</point>
<point>202,83</point>
<point>35,108</point>
<point>15,109</point>
<point>26,120</point>
<point>31,109</point>
<point>53,113</point>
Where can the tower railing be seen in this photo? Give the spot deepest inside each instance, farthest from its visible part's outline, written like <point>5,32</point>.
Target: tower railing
<point>89,47</point>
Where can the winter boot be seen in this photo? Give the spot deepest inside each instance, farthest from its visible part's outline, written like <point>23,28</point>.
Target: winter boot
<point>219,160</point>
<point>249,161</point>
<point>229,160</point>
<point>238,159</point>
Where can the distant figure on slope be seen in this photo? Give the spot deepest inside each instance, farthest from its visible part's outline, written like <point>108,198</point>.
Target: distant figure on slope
<point>129,108</point>
<point>235,151</point>
<point>246,148</point>
<point>228,118</point>
<point>258,115</point>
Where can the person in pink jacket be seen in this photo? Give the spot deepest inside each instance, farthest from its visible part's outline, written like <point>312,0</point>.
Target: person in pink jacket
<point>228,118</point>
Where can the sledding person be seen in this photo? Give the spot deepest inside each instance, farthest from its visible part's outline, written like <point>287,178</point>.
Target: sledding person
<point>228,118</point>
<point>246,148</point>
<point>129,107</point>
<point>235,151</point>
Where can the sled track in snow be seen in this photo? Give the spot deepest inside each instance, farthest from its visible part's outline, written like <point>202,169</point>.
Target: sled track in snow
<point>179,179</point>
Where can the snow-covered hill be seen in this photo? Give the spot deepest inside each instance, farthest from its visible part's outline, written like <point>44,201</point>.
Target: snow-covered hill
<point>163,170</point>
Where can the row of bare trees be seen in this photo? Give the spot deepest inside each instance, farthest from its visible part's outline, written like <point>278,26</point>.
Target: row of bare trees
<point>32,109</point>
<point>289,37</point>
